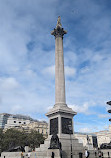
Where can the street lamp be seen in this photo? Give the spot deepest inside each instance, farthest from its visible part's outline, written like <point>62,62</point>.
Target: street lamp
<point>109,103</point>
<point>0,147</point>
<point>0,150</point>
<point>70,132</point>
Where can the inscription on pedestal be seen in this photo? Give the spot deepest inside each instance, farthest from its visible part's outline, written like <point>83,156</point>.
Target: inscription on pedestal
<point>54,126</point>
<point>66,125</point>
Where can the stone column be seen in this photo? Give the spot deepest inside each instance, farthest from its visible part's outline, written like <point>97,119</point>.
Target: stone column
<point>59,32</point>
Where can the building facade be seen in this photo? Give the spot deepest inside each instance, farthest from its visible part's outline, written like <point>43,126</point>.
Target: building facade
<point>86,139</point>
<point>96,139</point>
<point>104,136</point>
<point>23,123</point>
<point>14,121</point>
<point>40,127</point>
<point>3,119</point>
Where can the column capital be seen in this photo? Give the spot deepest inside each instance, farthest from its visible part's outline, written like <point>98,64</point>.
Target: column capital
<point>58,31</point>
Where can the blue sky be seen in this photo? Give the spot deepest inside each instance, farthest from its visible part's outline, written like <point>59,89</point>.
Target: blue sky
<point>27,58</point>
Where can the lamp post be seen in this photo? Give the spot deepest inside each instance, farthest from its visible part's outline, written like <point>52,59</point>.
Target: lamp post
<point>109,103</point>
<point>0,146</point>
<point>1,138</point>
<point>70,132</point>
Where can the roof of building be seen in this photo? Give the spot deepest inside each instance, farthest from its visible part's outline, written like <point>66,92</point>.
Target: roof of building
<point>20,116</point>
<point>92,134</point>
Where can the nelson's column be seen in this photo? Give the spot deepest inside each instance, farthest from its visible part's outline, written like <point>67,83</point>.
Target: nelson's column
<point>61,116</point>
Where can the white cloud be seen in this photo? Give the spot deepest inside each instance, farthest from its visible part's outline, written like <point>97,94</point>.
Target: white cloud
<point>104,115</point>
<point>50,70</point>
<point>8,83</point>
<point>30,73</point>
<point>49,108</point>
<point>85,130</point>
<point>70,71</point>
<point>16,109</point>
<point>85,108</point>
<point>85,70</point>
<point>42,119</point>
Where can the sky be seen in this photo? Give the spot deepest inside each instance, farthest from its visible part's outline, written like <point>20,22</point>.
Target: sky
<point>27,59</point>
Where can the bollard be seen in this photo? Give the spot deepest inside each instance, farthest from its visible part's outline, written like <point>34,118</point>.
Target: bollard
<point>108,155</point>
<point>80,155</point>
<point>102,155</point>
<point>95,154</point>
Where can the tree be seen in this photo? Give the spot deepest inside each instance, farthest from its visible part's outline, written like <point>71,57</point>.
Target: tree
<point>35,139</point>
<point>1,140</point>
<point>13,138</point>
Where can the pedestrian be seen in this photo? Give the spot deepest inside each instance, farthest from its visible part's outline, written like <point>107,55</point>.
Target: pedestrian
<point>35,155</point>
<point>86,153</point>
<point>52,156</point>
<point>22,155</point>
<point>99,153</point>
<point>28,155</point>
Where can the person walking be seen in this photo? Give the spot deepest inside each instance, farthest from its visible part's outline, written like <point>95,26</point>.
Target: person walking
<point>52,156</point>
<point>86,153</point>
<point>22,155</point>
<point>29,155</point>
<point>35,155</point>
<point>99,153</point>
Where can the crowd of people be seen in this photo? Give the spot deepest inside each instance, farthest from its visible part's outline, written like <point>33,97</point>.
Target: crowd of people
<point>99,153</point>
<point>28,155</point>
<point>87,154</point>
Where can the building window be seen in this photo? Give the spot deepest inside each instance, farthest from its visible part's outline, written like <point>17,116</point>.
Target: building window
<point>38,130</point>
<point>42,131</point>
<point>14,121</point>
<point>24,122</point>
<point>19,122</point>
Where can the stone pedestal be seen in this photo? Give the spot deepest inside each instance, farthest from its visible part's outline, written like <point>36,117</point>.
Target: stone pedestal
<point>67,141</point>
<point>11,155</point>
<point>61,121</point>
<point>56,152</point>
<point>89,146</point>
